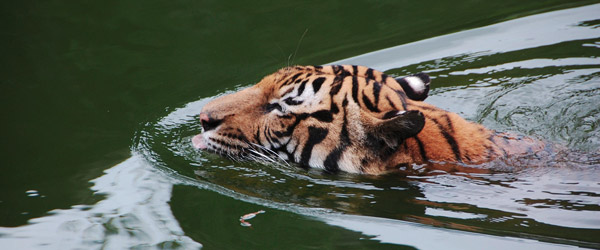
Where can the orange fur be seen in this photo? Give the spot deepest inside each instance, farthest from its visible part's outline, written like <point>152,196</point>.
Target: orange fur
<point>346,118</point>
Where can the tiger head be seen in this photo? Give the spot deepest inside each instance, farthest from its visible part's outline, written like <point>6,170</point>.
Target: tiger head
<point>347,118</point>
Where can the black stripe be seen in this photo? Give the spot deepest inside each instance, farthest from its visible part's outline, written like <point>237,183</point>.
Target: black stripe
<point>288,91</point>
<point>450,139</point>
<point>345,135</point>
<point>334,108</point>
<point>368,103</point>
<point>410,92</point>
<point>323,115</point>
<point>402,96</point>
<point>315,136</point>
<point>317,83</point>
<point>466,155</point>
<point>331,161</point>
<point>345,72</point>
<point>354,69</point>
<point>452,142</point>
<point>292,102</point>
<point>337,69</point>
<point>289,155</point>
<point>291,128</point>
<point>376,91</point>
<point>370,74</point>
<point>390,102</point>
<point>384,78</point>
<point>291,80</point>
<point>336,86</point>
<point>268,137</point>
<point>355,89</point>
<point>274,140</point>
<point>449,123</point>
<point>241,136</point>
<point>302,86</point>
<point>421,149</point>
<point>257,136</point>
<point>278,133</point>
<point>335,89</point>
<point>284,83</point>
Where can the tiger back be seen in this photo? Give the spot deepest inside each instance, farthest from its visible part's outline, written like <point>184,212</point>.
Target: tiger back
<point>346,118</point>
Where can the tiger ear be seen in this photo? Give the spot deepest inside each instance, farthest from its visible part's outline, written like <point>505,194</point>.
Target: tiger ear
<point>415,86</point>
<point>396,128</point>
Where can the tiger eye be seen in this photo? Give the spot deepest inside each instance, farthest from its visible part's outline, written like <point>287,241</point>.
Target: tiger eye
<point>272,106</point>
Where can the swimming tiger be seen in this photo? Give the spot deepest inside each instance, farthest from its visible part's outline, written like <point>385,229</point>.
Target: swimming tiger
<point>347,118</point>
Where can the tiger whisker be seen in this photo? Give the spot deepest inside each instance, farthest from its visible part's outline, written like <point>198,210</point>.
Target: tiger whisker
<point>272,152</point>
<point>297,47</point>
<point>262,155</point>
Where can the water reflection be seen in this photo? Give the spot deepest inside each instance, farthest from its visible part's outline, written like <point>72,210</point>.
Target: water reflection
<point>133,213</point>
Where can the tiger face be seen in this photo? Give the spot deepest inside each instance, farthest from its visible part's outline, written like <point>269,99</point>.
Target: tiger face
<point>339,118</point>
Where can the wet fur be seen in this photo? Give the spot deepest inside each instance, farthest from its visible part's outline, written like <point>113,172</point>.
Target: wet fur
<point>346,118</point>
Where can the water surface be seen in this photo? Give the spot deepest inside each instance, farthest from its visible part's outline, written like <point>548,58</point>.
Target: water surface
<point>117,97</point>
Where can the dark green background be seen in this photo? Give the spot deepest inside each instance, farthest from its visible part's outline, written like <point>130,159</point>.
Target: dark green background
<point>78,78</point>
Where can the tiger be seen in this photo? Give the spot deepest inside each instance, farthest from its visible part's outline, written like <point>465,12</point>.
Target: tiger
<point>347,118</point>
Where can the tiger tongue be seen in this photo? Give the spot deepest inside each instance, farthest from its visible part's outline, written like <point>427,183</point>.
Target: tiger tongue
<point>198,142</point>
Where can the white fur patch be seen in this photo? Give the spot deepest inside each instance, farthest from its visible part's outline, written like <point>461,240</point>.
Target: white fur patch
<point>346,164</point>
<point>416,84</point>
<point>291,145</point>
<point>317,157</point>
<point>283,156</point>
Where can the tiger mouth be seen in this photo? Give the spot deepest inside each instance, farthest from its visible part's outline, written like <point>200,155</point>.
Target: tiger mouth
<point>204,143</point>
<point>249,152</point>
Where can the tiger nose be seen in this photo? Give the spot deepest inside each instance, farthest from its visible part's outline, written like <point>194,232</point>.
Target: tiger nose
<point>208,123</point>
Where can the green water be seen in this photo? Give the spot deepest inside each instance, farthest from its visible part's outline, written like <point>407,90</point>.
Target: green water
<point>107,91</point>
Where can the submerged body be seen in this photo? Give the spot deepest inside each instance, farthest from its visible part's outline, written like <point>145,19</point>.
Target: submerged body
<point>348,118</point>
